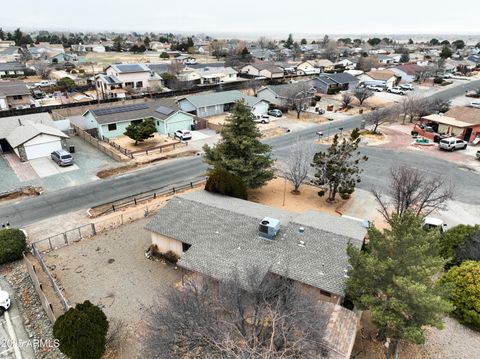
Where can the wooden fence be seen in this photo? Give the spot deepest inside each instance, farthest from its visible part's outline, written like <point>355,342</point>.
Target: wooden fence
<point>97,143</point>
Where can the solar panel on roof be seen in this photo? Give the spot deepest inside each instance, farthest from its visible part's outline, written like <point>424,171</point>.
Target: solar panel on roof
<point>119,109</point>
<point>130,68</point>
<point>165,110</point>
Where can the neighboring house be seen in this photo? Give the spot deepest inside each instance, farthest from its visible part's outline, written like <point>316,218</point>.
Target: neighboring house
<point>475,59</point>
<point>9,54</point>
<point>159,46</point>
<point>262,54</point>
<point>408,72</point>
<point>307,68</point>
<point>324,65</point>
<point>112,122</point>
<point>127,77</point>
<point>280,95</point>
<point>386,78</point>
<point>210,75</point>
<point>452,66</point>
<point>30,136</point>
<point>288,68</point>
<point>267,70</point>
<point>217,103</point>
<point>14,95</point>
<point>385,59</point>
<point>346,64</point>
<point>327,82</point>
<point>13,69</point>
<point>62,57</point>
<point>216,236</point>
<point>461,122</point>
<point>99,48</point>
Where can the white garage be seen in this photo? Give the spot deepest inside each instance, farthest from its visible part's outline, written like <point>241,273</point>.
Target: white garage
<point>34,140</point>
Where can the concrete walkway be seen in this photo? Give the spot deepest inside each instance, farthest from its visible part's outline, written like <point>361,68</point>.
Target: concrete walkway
<point>14,341</point>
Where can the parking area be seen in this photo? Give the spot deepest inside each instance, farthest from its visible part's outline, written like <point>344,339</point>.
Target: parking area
<point>43,172</point>
<point>111,270</point>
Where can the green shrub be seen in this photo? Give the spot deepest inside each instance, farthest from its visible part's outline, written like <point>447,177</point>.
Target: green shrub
<point>438,80</point>
<point>82,331</point>
<point>454,238</point>
<point>226,183</point>
<point>12,244</point>
<point>463,283</point>
<point>170,257</point>
<point>333,91</point>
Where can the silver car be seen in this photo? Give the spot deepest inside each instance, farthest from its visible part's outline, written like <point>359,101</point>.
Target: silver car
<point>62,158</point>
<point>452,144</point>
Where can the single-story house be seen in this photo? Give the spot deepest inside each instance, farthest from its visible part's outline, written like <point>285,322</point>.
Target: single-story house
<point>14,94</point>
<point>217,103</point>
<point>288,68</point>
<point>475,58</point>
<point>12,69</point>
<point>267,70</point>
<point>280,95</point>
<point>30,136</point>
<point>112,122</point>
<point>408,72</point>
<point>324,65</point>
<point>461,122</point>
<point>216,236</point>
<point>262,54</point>
<point>346,64</point>
<point>386,78</point>
<point>385,59</point>
<point>214,75</point>
<point>9,54</point>
<point>307,68</point>
<point>342,80</point>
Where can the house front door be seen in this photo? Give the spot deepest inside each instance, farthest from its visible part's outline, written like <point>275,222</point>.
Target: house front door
<point>467,134</point>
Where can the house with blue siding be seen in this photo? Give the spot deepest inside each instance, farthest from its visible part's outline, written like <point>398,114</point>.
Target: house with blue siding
<point>112,122</point>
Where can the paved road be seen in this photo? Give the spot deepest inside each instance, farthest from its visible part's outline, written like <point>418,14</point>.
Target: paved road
<point>184,170</point>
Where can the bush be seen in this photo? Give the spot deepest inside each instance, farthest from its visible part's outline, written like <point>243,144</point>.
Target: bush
<point>454,238</point>
<point>438,80</point>
<point>470,249</point>
<point>82,331</point>
<point>333,91</point>
<point>170,257</point>
<point>464,284</point>
<point>226,183</point>
<point>12,245</point>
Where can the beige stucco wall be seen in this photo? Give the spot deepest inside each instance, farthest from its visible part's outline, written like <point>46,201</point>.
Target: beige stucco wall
<point>166,244</point>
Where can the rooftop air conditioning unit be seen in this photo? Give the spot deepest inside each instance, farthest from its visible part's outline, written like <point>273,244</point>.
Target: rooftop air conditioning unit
<point>269,228</point>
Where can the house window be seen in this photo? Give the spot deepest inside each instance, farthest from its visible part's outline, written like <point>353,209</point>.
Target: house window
<point>185,247</point>
<point>112,127</point>
<point>128,84</point>
<point>136,122</point>
<point>325,293</point>
<point>139,84</point>
<point>17,97</point>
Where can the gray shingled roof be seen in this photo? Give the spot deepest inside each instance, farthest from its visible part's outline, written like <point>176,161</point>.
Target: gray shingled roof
<point>150,110</point>
<point>13,88</point>
<point>12,66</point>
<point>8,124</point>
<point>224,238</point>
<point>221,98</point>
<point>29,130</point>
<point>288,90</point>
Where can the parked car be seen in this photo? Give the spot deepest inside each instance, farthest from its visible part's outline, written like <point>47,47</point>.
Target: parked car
<point>275,113</point>
<point>45,83</point>
<point>478,155</point>
<point>407,87</point>
<point>62,158</point>
<point>4,301</point>
<point>262,118</point>
<point>475,104</point>
<point>183,135</point>
<point>375,88</point>
<point>396,90</point>
<point>452,144</point>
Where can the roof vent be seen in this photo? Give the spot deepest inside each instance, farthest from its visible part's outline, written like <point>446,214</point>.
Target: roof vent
<point>269,228</point>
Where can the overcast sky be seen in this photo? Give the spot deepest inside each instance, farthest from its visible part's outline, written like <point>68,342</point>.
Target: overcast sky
<point>278,17</point>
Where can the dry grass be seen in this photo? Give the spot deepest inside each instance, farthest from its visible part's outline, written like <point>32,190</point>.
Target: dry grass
<point>156,140</point>
<point>272,194</point>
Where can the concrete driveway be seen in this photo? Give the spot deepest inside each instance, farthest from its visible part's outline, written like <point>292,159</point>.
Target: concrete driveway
<point>45,167</point>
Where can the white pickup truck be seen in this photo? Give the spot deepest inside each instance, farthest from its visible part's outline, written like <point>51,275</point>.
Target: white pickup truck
<point>45,83</point>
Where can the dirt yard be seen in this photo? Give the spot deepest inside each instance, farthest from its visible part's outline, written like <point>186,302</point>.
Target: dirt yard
<point>455,341</point>
<point>156,140</point>
<point>272,194</point>
<point>111,271</point>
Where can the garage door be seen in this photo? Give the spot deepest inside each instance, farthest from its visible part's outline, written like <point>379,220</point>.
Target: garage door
<point>42,149</point>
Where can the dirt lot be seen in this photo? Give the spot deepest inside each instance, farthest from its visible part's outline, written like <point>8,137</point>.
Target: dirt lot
<point>156,140</point>
<point>111,271</point>
<point>272,195</point>
<point>108,58</point>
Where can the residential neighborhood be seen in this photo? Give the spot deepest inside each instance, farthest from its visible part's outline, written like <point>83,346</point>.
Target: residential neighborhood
<point>186,181</point>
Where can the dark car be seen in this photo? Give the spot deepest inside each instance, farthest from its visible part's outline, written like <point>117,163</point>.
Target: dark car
<point>62,158</point>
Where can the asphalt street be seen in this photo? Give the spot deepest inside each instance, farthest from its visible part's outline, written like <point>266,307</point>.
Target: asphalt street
<point>181,171</point>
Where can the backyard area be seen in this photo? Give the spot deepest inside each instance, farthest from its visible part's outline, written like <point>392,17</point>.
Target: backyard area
<point>111,270</point>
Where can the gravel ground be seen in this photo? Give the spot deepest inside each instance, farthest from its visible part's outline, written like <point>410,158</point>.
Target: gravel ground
<point>111,271</point>
<point>37,324</point>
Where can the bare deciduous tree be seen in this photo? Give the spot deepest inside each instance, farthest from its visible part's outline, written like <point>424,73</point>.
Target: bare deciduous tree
<point>175,67</point>
<point>300,96</point>
<point>250,318</point>
<point>362,94</point>
<point>411,189</point>
<point>347,100</point>
<point>42,68</point>
<point>379,117</point>
<point>296,166</point>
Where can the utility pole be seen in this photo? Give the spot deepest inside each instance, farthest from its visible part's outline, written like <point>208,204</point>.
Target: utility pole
<point>95,82</point>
